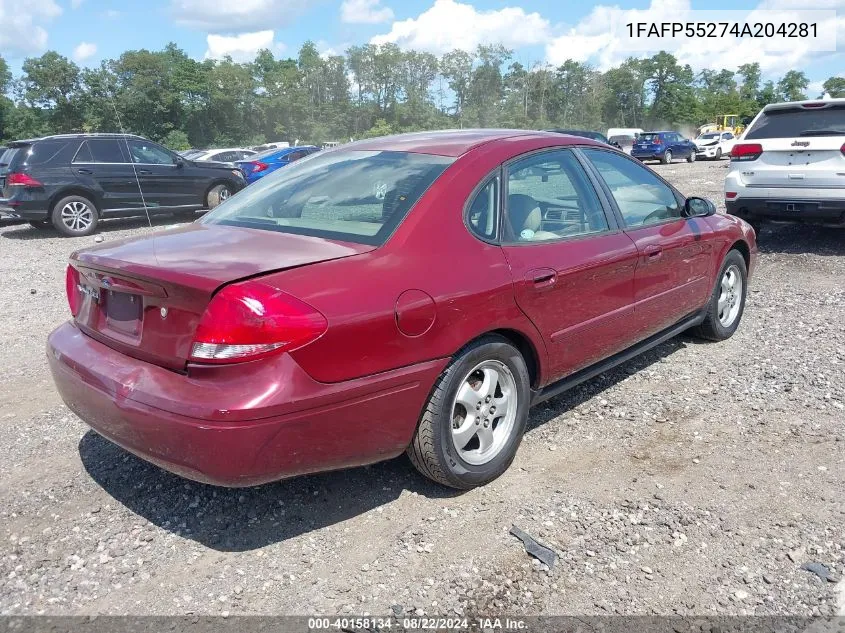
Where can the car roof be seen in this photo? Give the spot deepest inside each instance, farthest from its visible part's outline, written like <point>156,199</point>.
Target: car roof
<point>226,149</point>
<point>453,142</point>
<point>662,132</point>
<point>788,105</point>
<point>75,135</point>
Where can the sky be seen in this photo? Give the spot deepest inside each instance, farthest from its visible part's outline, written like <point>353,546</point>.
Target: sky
<point>539,31</point>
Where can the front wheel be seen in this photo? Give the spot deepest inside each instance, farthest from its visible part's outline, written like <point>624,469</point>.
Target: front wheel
<point>217,195</point>
<point>727,303</point>
<point>473,422</point>
<point>667,157</point>
<point>691,157</point>
<point>719,153</point>
<point>75,216</point>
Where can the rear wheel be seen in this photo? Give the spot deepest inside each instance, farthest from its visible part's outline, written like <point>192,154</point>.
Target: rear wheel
<point>727,303</point>
<point>218,194</point>
<point>473,422</point>
<point>75,216</point>
<point>667,157</point>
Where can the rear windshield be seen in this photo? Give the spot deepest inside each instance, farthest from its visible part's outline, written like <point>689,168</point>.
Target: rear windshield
<point>648,138</point>
<point>353,195</point>
<point>7,155</point>
<point>793,122</point>
<point>622,139</point>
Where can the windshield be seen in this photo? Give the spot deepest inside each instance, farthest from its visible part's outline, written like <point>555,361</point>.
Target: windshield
<point>357,196</point>
<point>267,153</point>
<point>711,135</point>
<point>799,122</point>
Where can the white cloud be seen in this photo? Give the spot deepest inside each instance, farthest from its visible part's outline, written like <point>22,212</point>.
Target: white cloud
<point>75,4</point>
<point>242,47</point>
<point>83,51</point>
<point>593,38</point>
<point>21,26</point>
<point>235,16</point>
<point>448,25</point>
<point>364,12</point>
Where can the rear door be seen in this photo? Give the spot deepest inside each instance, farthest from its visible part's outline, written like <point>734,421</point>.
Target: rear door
<point>674,257</point>
<point>102,164</point>
<point>573,269</point>
<point>802,147</point>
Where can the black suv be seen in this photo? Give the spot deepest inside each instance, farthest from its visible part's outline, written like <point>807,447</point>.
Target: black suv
<point>73,180</point>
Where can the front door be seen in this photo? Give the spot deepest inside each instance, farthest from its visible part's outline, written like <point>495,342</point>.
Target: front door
<point>672,273</point>
<point>161,177</point>
<point>102,165</point>
<point>573,269</point>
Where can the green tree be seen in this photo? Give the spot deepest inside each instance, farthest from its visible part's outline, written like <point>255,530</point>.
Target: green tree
<point>835,87</point>
<point>793,86</point>
<point>51,83</point>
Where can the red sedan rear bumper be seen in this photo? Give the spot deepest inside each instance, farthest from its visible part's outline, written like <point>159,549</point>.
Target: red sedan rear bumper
<point>238,425</point>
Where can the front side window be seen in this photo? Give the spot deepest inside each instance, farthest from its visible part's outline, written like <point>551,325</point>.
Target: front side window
<point>550,197</point>
<point>354,195</point>
<point>641,196</point>
<point>149,154</point>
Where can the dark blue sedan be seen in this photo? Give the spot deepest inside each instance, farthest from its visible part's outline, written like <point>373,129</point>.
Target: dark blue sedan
<point>260,165</point>
<point>663,146</point>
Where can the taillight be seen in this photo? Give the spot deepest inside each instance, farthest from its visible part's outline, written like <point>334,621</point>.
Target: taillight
<point>22,180</point>
<point>842,149</point>
<point>249,320</point>
<point>730,195</point>
<point>257,165</point>
<point>746,151</point>
<point>657,141</point>
<point>74,300</point>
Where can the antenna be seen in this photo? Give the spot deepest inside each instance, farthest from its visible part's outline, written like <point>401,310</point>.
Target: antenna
<point>131,160</point>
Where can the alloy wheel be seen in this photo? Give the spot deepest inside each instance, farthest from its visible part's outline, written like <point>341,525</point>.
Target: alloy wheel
<point>77,216</point>
<point>484,412</point>
<point>730,296</point>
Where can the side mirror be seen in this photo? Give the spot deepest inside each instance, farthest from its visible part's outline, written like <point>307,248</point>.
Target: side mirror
<point>696,207</point>
<point>180,162</point>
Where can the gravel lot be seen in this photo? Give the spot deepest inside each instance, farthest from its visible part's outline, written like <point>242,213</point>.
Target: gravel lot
<point>697,479</point>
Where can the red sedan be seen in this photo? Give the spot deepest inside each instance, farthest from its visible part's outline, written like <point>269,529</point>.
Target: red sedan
<point>410,293</point>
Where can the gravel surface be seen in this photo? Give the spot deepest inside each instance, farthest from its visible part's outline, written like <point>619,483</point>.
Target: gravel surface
<point>696,479</point>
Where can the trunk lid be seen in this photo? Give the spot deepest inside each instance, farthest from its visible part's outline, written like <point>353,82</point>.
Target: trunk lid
<point>811,162</point>
<point>145,296</point>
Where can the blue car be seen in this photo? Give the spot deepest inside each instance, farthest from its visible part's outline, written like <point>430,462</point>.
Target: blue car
<point>260,165</point>
<point>663,146</point>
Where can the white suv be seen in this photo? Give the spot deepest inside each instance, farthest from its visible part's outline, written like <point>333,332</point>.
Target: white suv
<point>789,165</point>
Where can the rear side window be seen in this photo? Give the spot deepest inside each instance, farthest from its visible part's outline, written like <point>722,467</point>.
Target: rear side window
<point>105,151</point>
<point>7,156</point>
<point>828,121</point>
<point>355,195</point>
<point>44,151</point>
<point>484,211</point>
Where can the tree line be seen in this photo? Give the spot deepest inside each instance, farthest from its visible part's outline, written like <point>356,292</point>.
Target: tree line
<point>370,90</point>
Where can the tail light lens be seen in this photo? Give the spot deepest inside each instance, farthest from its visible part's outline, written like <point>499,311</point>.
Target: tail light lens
<point>22,180</point>
<point>746,151</point>
<point>657,141</point>
<point>258,166</point>
<point>250,320</point>
<point>730,195</point>
<point>74,300</point>
<point>842,149</point>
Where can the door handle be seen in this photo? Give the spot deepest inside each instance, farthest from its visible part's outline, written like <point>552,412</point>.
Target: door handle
<point>544,278</point>
<point>653,252</point>
<point>144,172</point>
<point>85,171</point>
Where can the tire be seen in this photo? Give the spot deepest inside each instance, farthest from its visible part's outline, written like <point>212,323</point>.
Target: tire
<point>75,216</point>
<point>691,157</point>
<point>667,157</point>
<point>217,194</point>
<point>41,225</point>
<point>434,451</point>
<point>721,322</point>
<point>718,153</point>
